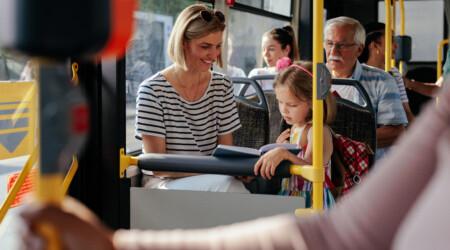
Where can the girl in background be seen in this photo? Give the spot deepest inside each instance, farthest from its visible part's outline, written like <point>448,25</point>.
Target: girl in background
<point>276,43</point>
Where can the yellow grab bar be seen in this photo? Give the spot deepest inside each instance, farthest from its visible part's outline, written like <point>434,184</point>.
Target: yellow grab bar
<point>388,37</point>
<point>402,28</point>
<point>317,104</point>
<point>69,177</point>
<point>393,28</point>
<point>439,59</point>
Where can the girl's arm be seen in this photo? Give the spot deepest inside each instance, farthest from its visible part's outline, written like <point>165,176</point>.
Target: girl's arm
<point>327,146</point>
<point>267,164</point>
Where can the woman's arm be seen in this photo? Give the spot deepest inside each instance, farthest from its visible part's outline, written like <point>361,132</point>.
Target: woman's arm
<point>225,139</point>
<point>388,134</point>
<point>427,89</point>
<point>153,144</point>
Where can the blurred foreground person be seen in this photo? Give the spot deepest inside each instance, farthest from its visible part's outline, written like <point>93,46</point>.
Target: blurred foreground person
<point>399,206</point>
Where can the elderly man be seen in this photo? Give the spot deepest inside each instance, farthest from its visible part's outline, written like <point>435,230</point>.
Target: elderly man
<point>343,43</point>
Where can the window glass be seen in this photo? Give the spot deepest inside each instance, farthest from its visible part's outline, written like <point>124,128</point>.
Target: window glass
<point>245,30</point>
<point>423,23</point>
<point>282,7</point>
<point>146,53</point>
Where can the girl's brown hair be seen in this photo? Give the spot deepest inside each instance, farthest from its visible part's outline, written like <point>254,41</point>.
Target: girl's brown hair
<point>301,85</point>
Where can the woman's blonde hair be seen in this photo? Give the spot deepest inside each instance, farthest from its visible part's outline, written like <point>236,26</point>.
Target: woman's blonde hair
<point>301,85</point>
<point>188,26</point>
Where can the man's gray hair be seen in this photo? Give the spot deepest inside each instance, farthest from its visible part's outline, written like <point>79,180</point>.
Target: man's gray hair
<point>360,33</point>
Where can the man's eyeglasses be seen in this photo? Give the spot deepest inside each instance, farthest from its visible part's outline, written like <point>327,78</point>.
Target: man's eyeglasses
<point>339,46</point>
<point>207,16</point>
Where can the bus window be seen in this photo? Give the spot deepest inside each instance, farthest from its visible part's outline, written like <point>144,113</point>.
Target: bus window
<point>147,52</point>
<point>282,7</point>
<point>424,23</point>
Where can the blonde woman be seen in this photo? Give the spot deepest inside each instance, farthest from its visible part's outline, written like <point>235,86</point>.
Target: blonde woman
<point>187,108</point>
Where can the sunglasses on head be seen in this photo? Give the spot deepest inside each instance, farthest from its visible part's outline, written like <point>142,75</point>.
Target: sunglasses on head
<point>207,16</point>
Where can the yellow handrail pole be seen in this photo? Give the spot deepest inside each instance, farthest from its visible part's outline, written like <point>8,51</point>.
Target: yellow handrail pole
<point>70,174</point>
<point>387,36</point>
<point>402,29</point>
<point>393,27</point>
<point>19,182</point>
<point>439,59</point>
<point>317,104</point>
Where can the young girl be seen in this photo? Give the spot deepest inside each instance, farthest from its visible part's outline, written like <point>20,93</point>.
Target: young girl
<point>293,89</point>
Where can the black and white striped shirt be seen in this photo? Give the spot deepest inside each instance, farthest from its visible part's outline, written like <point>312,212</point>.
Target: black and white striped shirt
<point>188,127</point>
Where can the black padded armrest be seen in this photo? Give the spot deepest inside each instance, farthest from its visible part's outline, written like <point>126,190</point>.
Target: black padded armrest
<point>205,165</point>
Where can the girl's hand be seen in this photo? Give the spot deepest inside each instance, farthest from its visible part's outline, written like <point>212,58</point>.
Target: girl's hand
<point>267,164</point>
<point>283,138</point>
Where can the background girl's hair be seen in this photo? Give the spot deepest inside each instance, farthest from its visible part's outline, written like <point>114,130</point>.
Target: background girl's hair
<point>188,26</point>
<point>374,31</point>
<point>285,36</point>
<point>300,84</point>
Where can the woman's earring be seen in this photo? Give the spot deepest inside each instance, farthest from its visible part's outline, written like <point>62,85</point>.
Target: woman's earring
<point>378,52</point>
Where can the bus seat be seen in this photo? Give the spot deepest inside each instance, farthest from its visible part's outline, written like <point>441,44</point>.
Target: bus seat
<point>254,114</point>
<point>275,118</point>
<point>354,122</point>
<point>357,122</point>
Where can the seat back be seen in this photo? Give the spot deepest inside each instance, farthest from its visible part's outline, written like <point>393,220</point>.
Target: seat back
<point>254,116</point>
<point>355,121</point>
<point>275,117</point>
<point>260,79</point>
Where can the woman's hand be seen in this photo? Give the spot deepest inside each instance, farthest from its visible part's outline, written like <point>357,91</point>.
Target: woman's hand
<point>267,164</point>
<point>283,138</point>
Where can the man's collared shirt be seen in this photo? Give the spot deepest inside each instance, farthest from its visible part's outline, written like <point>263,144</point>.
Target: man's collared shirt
<point>383,92</point>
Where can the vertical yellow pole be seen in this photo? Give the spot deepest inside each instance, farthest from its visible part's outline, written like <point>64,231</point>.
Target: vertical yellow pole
<point>402,28</point>
<point>387,35</point>
<point>439,59</point>
<point>317,104</point>
<point>393,27</point>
